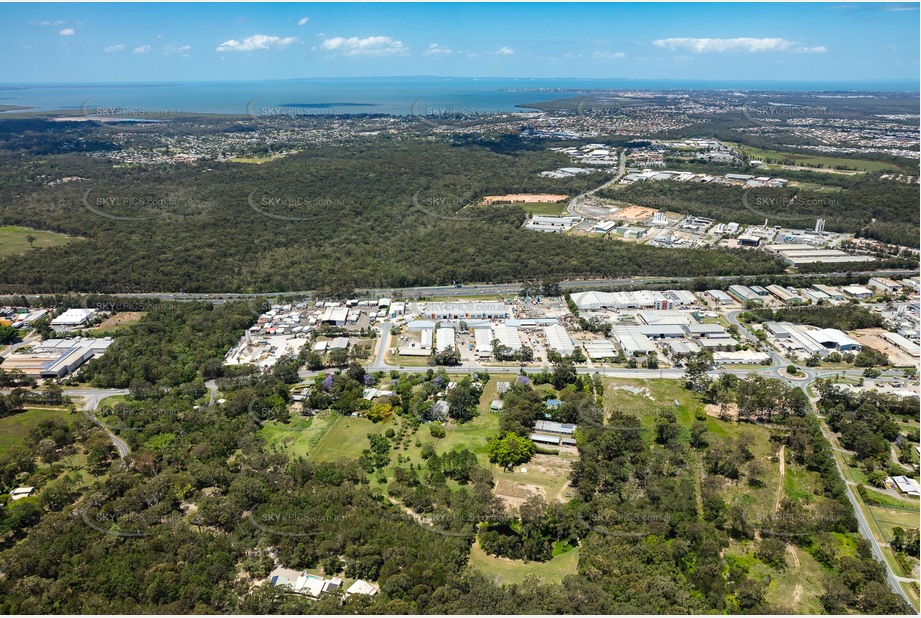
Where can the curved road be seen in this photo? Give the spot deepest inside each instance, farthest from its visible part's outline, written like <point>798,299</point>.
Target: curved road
<point>91,398</point>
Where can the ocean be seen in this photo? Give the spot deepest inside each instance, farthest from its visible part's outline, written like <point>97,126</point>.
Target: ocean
<point>397,95</point>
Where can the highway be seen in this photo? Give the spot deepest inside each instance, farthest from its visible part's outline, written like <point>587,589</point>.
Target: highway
<point>480,289</point>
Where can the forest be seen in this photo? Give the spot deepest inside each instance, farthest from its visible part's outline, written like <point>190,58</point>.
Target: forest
<point>380,213</point>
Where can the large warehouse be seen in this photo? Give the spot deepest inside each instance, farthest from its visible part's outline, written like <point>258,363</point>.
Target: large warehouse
<point>558,339</point>
<point>632,341</point>
<point>641,299</point>
<point>466,310</point>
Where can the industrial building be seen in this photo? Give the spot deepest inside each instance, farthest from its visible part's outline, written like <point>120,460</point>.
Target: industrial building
<point>551,224</point>
<point>898,340</point>
<point>56,358</point>
<point>885,285</point>
<point>830,292</point>
<point>599,349</point>
<point>740,357</point>
<point>642,299</point>
<point>482,338</point>
<point>786,295</point>
<point>663,331</point>
<point>72,318</point>
<point>336,316</point>
<point>507,336</point>
<point>857,291</point>
<point>444,339</point>
<point>820,341</point>
<point>466,310</point>
<point>744,294</point>
<point>558,339</point>
<point>632,341</point>
<point>721,297</point>
<point>796,254</point>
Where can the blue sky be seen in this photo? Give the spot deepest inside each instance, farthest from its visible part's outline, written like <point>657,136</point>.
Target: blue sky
<point>160,42</point>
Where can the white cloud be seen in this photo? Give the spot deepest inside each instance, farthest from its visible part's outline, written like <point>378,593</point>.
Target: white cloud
<point>571,56</point>
<point>505,51</point>
<point>182,49</point>
<point>67,32</point>
<point>819,49</point>
<point>370,46</point>
<point>256,42</point>
<point>143,49</point>
<point>742,44</point>
<point>113,48</point>
<point>302,21</point>
<point>46,23</point>
<point>437,50</point>
<point>605,55</point>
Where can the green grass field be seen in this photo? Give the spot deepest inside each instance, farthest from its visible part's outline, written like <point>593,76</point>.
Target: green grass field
<point>544,208</point>
<point>807,160</point>
<point>506,571</point>
<point>13,239</point>
<point>298,437</point>
<point>346,438</point>
<point>15,428</point>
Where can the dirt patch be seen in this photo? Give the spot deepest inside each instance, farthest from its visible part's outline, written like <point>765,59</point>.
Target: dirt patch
<point>871,337</point>
<point>635,390</point>
<point>514,198</point>
<point>633,213</point>
<point>516,494</point>
<point>792,551</point>
<point>729,411</point>
<point>120,319</point>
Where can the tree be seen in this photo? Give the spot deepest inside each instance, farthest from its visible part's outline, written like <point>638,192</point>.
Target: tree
<point>564,372</point>
<point>8,334</point>
<point>31,240</point>
<point>509,449</point>
<point>699,434</point>
<point>338,357</point>
<point>667,428</point>
<point>696,371</point>
<point>463,401</point>
<point>380,413</point>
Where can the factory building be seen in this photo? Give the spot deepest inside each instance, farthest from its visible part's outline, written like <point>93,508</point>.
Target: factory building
<point>558,339</point>
<point>785,295</point>
<point>444,339</point>
<point>632,341</point>
<point>898,340</point>
<point>599,349</point>
<point>744,294</point>
<point>56,358</point>
<point>72,318</point>
<point>857,291</point>
<point>507,336</point>
<point>721,297</point>
<point>482,342</point>
<point>830,292</point>
<point>466,311</point>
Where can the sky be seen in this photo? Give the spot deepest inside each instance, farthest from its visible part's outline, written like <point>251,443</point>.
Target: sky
<point>78,42</point>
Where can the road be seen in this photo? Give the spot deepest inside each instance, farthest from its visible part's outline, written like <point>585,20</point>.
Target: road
<point>480,289</point>
<point>29,340</point>
<point>91,398</point>
<point>573,206</point>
